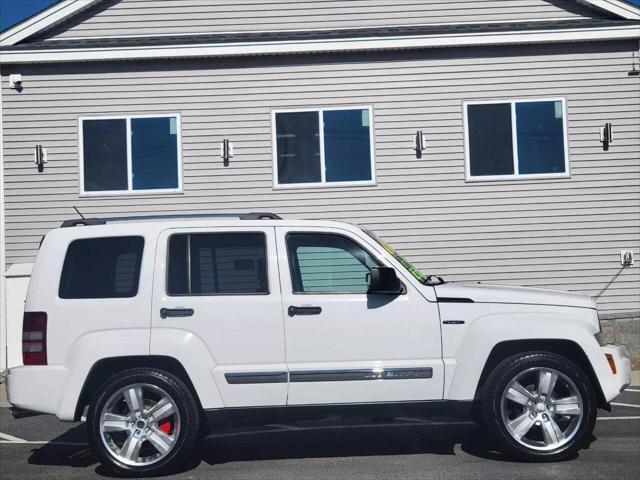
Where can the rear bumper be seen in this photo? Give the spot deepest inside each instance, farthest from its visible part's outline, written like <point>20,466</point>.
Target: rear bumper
<point>36,389</point>
<point>621,379</point>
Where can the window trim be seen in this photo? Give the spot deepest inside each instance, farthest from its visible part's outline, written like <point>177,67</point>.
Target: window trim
<point>514,131</point>
<point>189,234</point>
<point>323,183</point>
<point>130,190</point>
<point>347,237</point>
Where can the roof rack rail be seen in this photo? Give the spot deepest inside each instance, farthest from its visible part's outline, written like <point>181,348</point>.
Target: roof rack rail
<point>78,222</point>
<point>260,216</point>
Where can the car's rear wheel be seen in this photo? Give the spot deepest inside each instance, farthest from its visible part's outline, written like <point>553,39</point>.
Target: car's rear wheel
<point>143,421</point>
<point>540,406</point>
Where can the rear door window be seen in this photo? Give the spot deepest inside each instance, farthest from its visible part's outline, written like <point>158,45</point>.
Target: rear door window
<point>218,264</point>
<point>102,268</point>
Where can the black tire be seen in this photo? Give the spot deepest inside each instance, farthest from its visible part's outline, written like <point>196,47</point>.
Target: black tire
<point>185,404</point>
<point>502,376</point>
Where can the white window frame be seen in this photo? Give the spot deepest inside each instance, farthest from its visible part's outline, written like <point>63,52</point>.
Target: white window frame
<point>129,190</point>
<point>323,183</point>
<point>514,131</point>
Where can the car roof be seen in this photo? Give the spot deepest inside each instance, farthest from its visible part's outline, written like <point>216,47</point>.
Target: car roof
<point>161,222</point>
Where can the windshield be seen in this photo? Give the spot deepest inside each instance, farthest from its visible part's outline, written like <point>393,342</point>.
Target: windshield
<point>413,270</point>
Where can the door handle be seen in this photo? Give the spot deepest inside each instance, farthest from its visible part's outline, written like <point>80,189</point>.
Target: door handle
<point>176,312</point>
<point>293,311</point>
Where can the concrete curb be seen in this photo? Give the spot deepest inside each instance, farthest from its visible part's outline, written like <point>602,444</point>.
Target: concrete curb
<point>3,396</point>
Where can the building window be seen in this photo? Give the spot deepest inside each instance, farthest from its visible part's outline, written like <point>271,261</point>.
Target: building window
<point>516,139</point>
<point>130,154</point>
<point>327,263</point>
<point>102,268</point>
<point>217,264</point>
<point>330,146</point>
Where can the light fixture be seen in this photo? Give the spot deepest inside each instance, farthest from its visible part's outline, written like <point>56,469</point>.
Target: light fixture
<point>15,81</point>
<point>635,68</point>
<point>418,144</point>
<point>40,157</point>
<point>606,136</point>
<point>226,151</point>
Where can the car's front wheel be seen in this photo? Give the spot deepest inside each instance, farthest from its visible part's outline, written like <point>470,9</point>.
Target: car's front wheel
<point>143,421</point>
<point>540,406</point>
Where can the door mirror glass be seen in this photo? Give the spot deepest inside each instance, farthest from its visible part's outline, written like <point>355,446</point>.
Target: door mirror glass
<point>383,280</point>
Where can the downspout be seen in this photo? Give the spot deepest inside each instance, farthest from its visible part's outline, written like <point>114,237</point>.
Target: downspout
<point>3,258</point>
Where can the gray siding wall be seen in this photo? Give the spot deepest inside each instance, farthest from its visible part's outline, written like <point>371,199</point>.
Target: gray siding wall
<point>154,17</point>
<point>561,233</point>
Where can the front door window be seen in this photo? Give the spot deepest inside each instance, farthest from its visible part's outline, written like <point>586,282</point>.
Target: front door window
<point>326,263</point>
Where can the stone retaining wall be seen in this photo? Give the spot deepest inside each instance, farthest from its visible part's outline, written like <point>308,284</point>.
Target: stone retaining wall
<point>623,329</point>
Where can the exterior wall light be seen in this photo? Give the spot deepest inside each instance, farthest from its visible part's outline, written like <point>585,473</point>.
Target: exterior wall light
<point>15,81</point>
<point>606,136</point>
<point>418,144</point>
<point>226,151</point>
<point>635,69</point>
<point>40,157</point>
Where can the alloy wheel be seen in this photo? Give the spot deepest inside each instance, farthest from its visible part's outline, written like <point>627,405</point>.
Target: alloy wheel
<point>140,424</point>
<point>542,409</point>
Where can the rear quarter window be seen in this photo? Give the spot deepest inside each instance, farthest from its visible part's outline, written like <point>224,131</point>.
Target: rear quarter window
<point>102,268</point>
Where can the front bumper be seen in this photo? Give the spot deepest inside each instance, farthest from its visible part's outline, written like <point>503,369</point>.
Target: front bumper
<point>621,379</point>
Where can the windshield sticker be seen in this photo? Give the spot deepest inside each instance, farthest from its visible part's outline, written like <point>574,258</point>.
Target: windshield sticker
<point>405,263</point>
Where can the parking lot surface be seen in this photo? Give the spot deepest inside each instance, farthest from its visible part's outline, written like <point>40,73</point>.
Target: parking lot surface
<point>400,448</point>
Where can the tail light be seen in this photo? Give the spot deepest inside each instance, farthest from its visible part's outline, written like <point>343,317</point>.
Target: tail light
<point>34,338</point>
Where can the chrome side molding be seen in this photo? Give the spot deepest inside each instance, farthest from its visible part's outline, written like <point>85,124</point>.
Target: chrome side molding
<point>360,374</point>
<point>245,378</point>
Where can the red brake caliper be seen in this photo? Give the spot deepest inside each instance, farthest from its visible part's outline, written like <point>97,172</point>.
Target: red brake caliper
<point>165,426</point>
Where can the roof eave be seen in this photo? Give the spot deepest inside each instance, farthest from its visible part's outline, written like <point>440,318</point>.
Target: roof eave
<point>616,7</point>
<point>65,9</point>
<point>48,17</point>
<point>319,45</point>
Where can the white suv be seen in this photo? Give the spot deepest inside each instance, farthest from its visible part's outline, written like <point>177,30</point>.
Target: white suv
<point>150,326</point>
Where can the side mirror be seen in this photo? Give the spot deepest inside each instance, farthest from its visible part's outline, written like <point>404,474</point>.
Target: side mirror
<point>383,280</point>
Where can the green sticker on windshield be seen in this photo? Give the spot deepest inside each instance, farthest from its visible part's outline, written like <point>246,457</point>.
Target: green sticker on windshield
<point>405,263</point>
<point>412,270</point>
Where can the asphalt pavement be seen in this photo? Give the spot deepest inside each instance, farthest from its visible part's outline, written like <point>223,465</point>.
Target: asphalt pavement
<point>401,448</point>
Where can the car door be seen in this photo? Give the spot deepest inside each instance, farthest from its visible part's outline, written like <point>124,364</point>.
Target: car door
<point>217,306</point>
<point>342,344</point>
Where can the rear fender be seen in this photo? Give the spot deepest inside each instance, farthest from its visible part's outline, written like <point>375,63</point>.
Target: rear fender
<point>195,357</point>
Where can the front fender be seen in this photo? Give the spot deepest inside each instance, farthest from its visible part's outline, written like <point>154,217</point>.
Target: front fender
<point>487,325</point>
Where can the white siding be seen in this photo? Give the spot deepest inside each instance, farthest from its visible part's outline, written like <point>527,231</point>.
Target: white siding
<point>562,233</point>
<point>160,17</point>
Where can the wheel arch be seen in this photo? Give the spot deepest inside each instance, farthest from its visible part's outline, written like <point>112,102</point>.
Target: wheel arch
<point>566,348</point>
<point>105,368</point>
